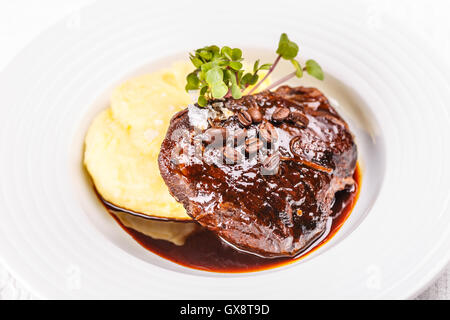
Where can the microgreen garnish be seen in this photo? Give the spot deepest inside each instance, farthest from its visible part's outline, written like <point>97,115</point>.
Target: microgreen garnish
<point>219,71</point>
<point>313,68</point>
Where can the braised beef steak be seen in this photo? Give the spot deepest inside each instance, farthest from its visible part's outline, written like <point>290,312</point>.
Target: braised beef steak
<point>262,171</point>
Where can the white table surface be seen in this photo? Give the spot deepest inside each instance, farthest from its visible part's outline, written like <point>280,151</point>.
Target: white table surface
<point>22,20</point>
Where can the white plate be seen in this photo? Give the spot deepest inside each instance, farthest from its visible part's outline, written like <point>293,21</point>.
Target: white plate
<point>56,238</point>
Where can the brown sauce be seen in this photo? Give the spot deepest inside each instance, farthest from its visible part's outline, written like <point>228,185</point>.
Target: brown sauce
<point>203,250</point>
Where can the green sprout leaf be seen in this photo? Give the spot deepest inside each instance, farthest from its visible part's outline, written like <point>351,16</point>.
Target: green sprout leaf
<point>202,101</point>
<point>213,49</point>
<point>298,68</point>
<point>314,69</point>
<point>196,61</point>
<point>230,76</point>
<point>246,79</point>
<point>254,79</point>
<point>207,66</point>
<point>287,49</point>
<point>255,66</point>
<point>226,52</point>
<point>193,82</point>
<point>214,76</point>
<point>236,54</point>
<point>265,66</point>
<point>205,55</point>
<point>236,92</point>
<point>219,90</point>
<point>236,65</point>
<point>203,90</point>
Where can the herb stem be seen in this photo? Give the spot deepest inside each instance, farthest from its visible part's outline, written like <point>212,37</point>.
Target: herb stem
<point>280,81</point>
<point>228,93</point>
<point>267,74</point>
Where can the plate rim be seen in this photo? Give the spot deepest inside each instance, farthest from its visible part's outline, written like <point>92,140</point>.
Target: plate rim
<point>419,287</point>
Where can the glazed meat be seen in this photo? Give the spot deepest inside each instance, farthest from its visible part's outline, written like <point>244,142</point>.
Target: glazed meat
<point>262,171</point>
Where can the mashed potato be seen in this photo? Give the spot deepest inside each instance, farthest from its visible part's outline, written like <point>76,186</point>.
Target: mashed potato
<point>123,142</point>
